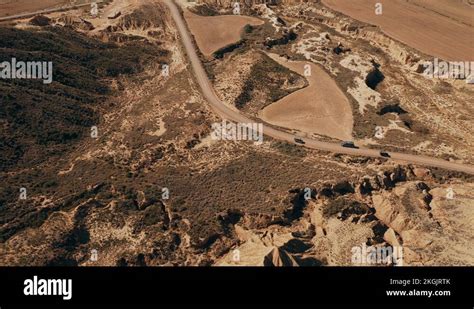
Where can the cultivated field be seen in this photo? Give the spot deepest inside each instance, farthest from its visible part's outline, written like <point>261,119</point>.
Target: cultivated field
<point>320,108</point>
<point>460,10</point>
<point>214,32</point>
<point>14,7</point>
<point>439,28</point>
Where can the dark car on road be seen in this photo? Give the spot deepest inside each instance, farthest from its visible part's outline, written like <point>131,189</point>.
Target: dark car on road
<point>299,141</point>
<point>349,144</point>
<point>384,154</point>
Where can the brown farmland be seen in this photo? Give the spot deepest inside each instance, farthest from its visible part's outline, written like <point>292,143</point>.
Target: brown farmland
<point>320,108</point>
<point>14,7</point>
<point>438,28</point>
<point>214,32</point>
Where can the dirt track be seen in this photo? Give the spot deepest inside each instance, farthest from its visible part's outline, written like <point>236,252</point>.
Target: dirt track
<point>437,27</point>
<point>225,112</point>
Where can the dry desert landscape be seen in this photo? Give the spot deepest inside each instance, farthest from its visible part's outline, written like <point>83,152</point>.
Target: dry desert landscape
<point>119,155</point>
<point>14,7</point>
<point>435,27</point>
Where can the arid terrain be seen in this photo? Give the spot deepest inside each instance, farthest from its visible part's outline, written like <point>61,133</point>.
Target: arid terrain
<point>215,32</point>
<point>435,22</point>
<point>114,163</point>
<point>319,108</point>
<point>14,7</point>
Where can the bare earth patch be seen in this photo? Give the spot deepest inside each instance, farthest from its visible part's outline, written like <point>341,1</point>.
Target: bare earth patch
<point>422,25</point>
<point>320,108</point>
<point>214,32</point>
<point>456,9</point>
<point>13,7</point>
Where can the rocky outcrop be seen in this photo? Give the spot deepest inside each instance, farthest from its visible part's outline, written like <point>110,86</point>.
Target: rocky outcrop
<point>278,257</point>
<point>226,4</point>
<point>431,227</point>
<point>340,49</point>
<point>259,248</point>
<point>283,40</point>
<point>148,16</point>
<point>391,209</point>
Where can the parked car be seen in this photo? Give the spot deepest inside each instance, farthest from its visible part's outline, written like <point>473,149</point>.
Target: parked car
<point>348,144</point>
<point>299,141</point>
<point>384,154</point>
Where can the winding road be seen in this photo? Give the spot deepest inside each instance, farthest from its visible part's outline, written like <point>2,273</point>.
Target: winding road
<point>227,113</point>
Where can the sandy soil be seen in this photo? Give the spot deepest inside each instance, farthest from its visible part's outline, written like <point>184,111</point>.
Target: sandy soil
<point>13,7</point>
<point>439,28</point>
<point>459,10</point>
<point>320,108</point>
<point>214,32</point>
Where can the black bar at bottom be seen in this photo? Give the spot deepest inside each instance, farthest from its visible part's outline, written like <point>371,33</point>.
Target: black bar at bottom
<point>232,285</point>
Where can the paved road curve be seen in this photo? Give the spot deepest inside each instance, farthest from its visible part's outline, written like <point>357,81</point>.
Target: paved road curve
<point>227,113</point>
